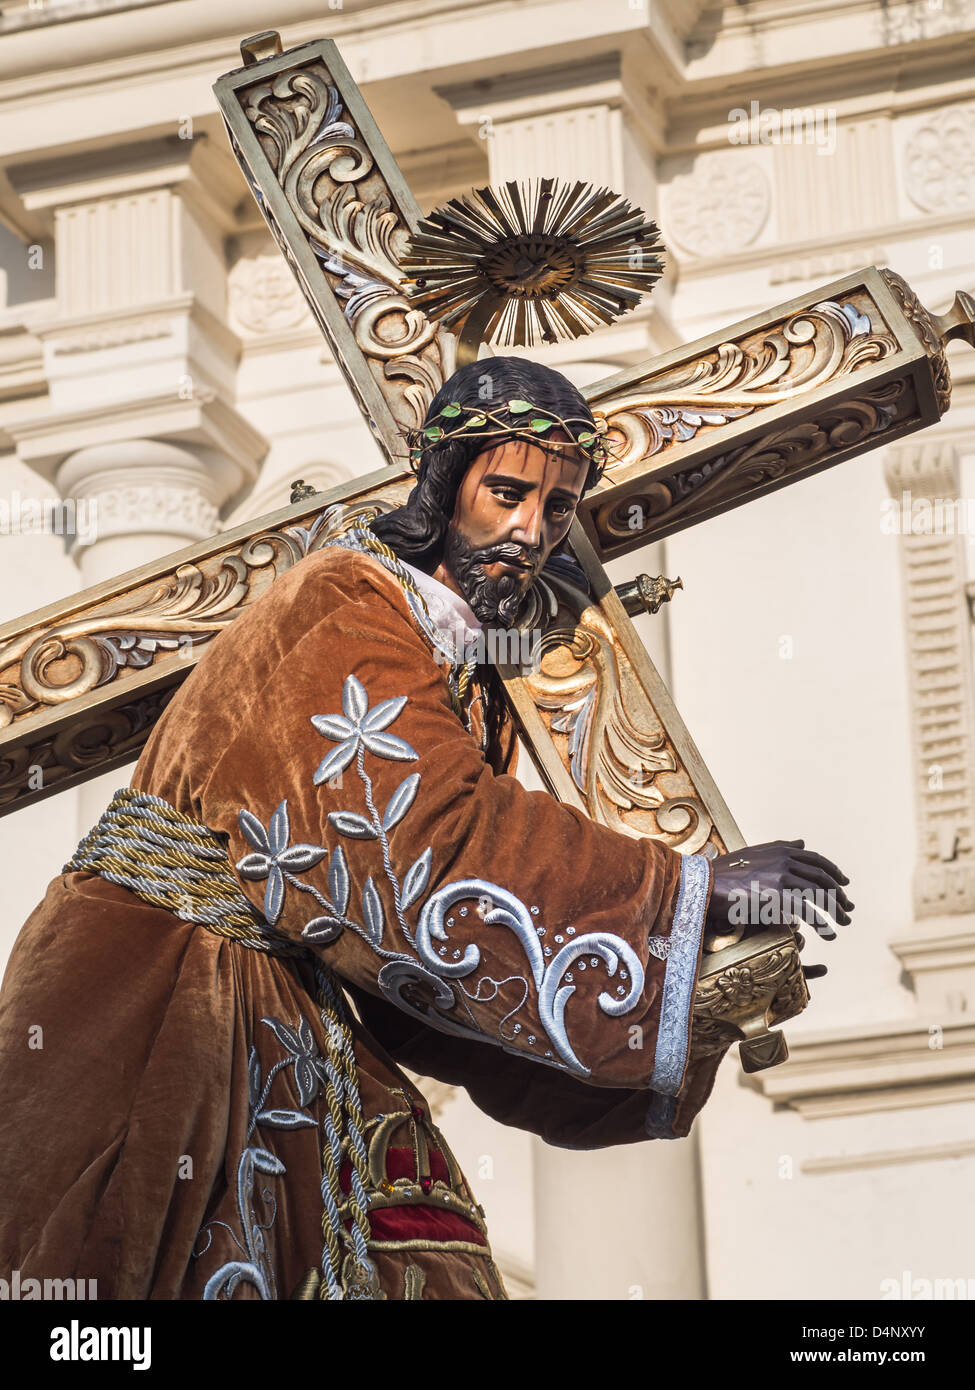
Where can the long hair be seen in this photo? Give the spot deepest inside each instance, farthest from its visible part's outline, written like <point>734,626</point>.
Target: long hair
<point>416,530</point>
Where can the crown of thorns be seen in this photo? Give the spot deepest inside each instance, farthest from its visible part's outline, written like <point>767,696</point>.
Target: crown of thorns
<point>528,421</point>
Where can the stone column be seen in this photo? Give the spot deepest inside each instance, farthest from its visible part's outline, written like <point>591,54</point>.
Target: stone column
<point>591,120</point>
<point>135,501</point>
<point>621,1223</point>
<point>142,499</point>
<point>939,954</point>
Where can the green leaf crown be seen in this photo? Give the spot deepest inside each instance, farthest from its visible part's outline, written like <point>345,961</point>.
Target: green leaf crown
<point>472,420</point>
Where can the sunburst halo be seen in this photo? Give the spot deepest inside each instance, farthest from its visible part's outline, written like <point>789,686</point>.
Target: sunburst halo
<point>527,263</point>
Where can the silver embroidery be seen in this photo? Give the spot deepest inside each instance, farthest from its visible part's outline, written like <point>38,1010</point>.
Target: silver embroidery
<point>680,975</point>
<point>420,985</point>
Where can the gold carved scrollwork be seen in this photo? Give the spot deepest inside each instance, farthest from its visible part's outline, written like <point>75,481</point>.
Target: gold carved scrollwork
<point>607,733</point>
<point>916,313</point>
<point>179,613</point>
<point>331,182</point>
<point>744,991</point>
<point>728,478</point>
<point>153,630</point>
<point>94,740</point>
<point>737,378</point>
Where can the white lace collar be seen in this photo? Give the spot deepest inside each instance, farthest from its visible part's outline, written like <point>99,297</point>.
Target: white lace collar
<point>453,619</point>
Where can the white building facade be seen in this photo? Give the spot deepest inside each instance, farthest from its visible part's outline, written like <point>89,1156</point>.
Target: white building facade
<point>159,369</point>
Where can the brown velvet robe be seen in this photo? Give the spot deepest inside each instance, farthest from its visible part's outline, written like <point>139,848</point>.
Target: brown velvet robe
<point>444,893</point>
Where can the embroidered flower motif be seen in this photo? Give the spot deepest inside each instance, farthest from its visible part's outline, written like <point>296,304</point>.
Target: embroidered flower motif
<point>256,1267</point>
<point>360,726</point>
<point>274,857</point>
<point>309,1068</point>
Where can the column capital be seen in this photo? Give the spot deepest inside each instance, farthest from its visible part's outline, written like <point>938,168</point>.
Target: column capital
<point>145,485</point>
<point>135,344</point>
<point>205,176</point>
<point>197,422</point>
<point>928,469</point>
<point>577,102</point>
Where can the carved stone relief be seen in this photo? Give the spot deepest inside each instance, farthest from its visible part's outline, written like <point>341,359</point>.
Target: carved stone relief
<point>264,296</point>
<point>939,161</point>
<point>719,207</point>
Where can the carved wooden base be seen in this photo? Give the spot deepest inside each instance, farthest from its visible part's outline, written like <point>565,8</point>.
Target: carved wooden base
<point>744,990</point>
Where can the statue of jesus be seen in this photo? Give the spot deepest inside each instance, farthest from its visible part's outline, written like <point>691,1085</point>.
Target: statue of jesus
<point>324,872</point>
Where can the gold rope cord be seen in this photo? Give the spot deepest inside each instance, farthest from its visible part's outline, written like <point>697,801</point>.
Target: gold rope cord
<point>371,542</point>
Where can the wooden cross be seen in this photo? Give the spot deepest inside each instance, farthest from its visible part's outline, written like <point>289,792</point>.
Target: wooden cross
<point>701,429</point>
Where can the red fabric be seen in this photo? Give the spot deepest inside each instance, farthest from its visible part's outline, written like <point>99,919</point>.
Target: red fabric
<point>417,1221</point>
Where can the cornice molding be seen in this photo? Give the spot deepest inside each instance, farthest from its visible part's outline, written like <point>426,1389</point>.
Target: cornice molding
<point>871,1067</point>
<point>203,419</point>
<point>135,54</point>
<point>765,255</point>
<point>713,52</point>
<point>886,1158</point>
<point>108,328</point>
<point>21,363</point>
<point>205,176</point>
<point>444,171</point>
<point>939,959</point>
<point>37,18</point>
<point>552,86</point>
<point>612,79</point>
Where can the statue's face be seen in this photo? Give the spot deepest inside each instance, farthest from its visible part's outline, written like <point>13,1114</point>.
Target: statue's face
<point>514,506</point>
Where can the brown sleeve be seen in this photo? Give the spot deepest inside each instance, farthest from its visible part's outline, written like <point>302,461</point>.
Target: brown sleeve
<point>562,1111</point>
<point>364,820</point>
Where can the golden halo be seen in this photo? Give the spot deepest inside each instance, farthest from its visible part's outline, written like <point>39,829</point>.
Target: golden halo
<point>542,261</point>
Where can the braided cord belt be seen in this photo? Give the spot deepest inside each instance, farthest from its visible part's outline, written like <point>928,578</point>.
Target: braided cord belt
<point>171,861</point>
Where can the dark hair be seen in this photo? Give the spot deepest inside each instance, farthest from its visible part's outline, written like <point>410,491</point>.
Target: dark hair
<point>416,530</point>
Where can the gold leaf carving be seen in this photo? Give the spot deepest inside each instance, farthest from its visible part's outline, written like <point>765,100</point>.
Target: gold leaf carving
<point>332,185</point>
<point>737,378</point>
<point>179,612</point>
<point>607,732</point>
<point>728,478</point>
<point>915,311</point>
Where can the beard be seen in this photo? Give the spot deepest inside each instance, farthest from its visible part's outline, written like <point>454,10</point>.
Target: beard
<point>490,600</point>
